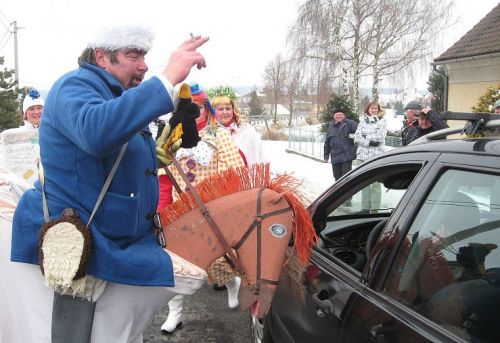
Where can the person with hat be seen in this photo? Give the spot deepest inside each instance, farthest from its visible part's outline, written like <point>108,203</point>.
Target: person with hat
<point>412,109</point>
<point>89,115</point>
<point>423,121</point>
<point>32,109</point>
<point>339,145</point>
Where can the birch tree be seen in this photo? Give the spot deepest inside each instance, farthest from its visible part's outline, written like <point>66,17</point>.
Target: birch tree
<point>403,32</point>
<point>273,78</point>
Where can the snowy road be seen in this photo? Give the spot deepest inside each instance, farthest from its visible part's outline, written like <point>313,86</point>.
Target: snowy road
<point>315,176</point>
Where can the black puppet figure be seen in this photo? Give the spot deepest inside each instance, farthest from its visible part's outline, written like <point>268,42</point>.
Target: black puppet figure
<point>186,115</point>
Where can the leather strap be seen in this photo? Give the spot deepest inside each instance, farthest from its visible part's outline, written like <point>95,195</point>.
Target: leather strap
<point>206,213</point>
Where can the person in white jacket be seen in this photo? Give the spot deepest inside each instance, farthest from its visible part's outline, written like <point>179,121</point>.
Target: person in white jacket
<point>370,138</point>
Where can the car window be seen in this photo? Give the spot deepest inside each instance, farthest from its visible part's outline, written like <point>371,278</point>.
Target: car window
<point>365,206</point>
<point>373,198</point>
<point>448,266</point>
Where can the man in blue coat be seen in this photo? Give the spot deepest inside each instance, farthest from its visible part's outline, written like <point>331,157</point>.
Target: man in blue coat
<point>338,143</point>
<point>89,114</point>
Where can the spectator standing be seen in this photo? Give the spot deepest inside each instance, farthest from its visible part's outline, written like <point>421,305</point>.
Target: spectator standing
<point>412,109</point>
<point>339,145</point>
<point>370,138</point>
<point>426,121</point>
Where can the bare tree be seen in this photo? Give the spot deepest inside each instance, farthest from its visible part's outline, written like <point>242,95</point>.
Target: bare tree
<point>273,77</point>
<point>292,85</point>
<point>403,32</point>
<point>361,12</point>
<point>316,41</point>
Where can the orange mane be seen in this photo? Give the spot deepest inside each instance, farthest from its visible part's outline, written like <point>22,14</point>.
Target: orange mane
<point>237,180</point>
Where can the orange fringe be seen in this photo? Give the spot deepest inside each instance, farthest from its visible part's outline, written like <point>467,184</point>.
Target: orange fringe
<point>237,180</point>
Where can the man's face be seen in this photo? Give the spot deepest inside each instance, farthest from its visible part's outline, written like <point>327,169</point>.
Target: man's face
<point>338,117</point>
<point>130,68</point>
<point>410,115</point>
<point>497,109</point>
<point>34,114</point>
<point>424,122</point>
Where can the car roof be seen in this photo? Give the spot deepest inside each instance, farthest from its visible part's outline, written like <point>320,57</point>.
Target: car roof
<point>485,146</point>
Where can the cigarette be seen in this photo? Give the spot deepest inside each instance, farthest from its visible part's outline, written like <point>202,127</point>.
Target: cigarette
<point>192,36</point>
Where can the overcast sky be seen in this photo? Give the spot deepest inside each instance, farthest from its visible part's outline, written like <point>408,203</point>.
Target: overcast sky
<point>244,35</point>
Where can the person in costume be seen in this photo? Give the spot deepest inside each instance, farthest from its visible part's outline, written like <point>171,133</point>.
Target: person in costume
<point>207,113</point>
<point>248,140</point>
<point>206,120</point>
<point>32,109</point>
<point>244,135</point>
<point>370,138</point>
<point>89,114</point>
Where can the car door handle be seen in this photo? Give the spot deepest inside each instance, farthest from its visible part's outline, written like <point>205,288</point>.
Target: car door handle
<point>324,306</point>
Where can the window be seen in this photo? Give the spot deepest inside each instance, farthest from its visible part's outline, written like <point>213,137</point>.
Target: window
<point>448,266</point>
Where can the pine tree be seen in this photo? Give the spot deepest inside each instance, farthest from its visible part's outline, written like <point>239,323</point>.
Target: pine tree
<point>337,101</point>
<point>436,87</point>
<point>255,104</point>
<point>9,113</point>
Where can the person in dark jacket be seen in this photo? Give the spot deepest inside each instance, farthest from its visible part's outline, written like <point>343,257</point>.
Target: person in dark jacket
<point>426,122</point>
<point>339,143</point>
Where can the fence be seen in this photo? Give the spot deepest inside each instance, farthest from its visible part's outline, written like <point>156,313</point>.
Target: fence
<point>309,141</point>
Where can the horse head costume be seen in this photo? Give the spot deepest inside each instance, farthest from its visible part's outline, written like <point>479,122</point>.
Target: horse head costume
<point>253,214</point>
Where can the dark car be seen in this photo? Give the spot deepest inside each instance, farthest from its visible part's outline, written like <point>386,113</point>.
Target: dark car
<point>422,264</point>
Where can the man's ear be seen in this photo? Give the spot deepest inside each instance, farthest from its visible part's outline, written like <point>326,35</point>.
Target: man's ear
<point>101,58</point>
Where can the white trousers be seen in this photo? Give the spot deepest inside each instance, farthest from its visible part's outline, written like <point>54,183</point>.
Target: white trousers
<point>122,312</point>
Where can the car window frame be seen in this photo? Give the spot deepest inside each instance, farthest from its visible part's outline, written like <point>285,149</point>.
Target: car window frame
<point>444,162</point>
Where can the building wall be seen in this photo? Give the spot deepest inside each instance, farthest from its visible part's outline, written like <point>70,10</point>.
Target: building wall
<point>469,80</point>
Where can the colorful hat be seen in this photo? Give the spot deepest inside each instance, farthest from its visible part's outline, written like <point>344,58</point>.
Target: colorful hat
<point>199,94</point>
<point>33,98</point>
<point>497,104</point>
<point>123,37</point>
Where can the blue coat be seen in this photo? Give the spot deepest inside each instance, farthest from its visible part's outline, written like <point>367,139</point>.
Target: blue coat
<point>87,117</point>
<point>338,144</point>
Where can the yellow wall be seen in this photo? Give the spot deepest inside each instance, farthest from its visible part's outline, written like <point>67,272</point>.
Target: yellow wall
<point>461,97</point>
<point>469,79</point>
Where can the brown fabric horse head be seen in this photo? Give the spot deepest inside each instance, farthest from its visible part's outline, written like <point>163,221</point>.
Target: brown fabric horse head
<point>256,214</point>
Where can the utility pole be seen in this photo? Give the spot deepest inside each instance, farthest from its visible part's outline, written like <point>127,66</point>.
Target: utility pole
<point>16,64</point>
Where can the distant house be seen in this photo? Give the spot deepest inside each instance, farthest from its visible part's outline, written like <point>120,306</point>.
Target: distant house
<point>472,64</point>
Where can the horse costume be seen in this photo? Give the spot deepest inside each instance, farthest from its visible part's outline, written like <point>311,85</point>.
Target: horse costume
<point>266,213</point>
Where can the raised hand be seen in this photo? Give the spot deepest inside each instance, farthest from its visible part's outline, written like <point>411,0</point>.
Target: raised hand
<point>183,59</point>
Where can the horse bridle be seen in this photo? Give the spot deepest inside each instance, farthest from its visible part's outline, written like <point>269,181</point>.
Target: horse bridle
<point>233,260</point>
<point>257,224</point>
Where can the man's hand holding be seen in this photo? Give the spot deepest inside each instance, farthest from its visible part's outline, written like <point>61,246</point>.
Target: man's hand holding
<point>184,58</point>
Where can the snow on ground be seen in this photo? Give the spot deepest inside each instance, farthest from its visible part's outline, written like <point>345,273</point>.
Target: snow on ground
<point>316,176</point>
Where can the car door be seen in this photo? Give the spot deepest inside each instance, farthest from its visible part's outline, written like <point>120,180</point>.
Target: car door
<point>310,303</point>
<point>441,280</point>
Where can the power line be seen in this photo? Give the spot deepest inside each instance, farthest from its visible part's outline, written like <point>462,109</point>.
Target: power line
<point>4,43</point>
<point>7,20</point>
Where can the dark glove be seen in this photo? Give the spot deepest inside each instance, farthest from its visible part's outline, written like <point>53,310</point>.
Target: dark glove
<point>374,144</point>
